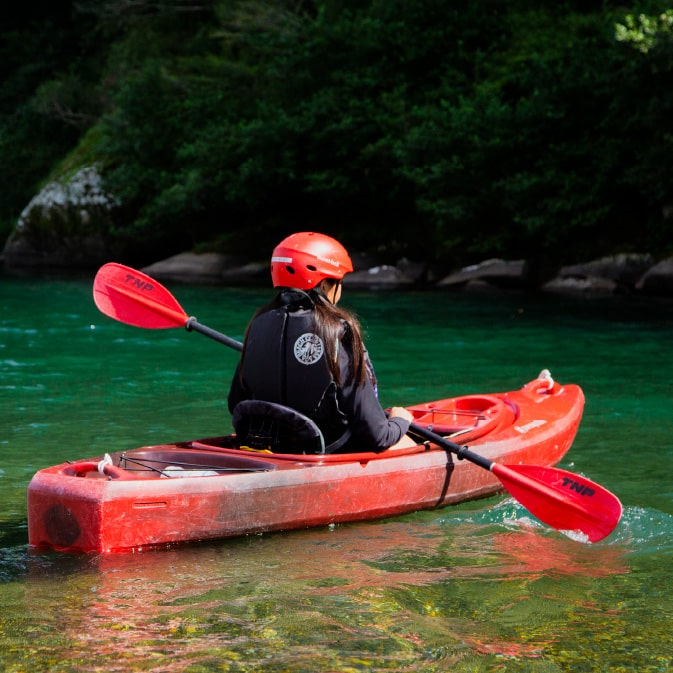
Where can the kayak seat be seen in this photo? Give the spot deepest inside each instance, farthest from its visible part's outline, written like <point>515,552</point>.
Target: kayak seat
<point>273,427</point>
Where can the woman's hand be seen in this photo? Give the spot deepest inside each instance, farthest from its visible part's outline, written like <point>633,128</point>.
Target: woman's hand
<point>401,412</point>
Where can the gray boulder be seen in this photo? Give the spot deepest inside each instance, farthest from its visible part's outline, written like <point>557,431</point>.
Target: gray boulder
<point>624,269</point>
<point>606,276</point>
<point>384,277</point>
<point>658,280</point>
<point>497,273</point>
<point>249,273</point>
<point>590,286</point>
<point>190,267</point>
<point>65,225</point>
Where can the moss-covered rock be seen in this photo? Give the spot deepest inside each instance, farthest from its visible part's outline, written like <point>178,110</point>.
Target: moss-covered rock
<point>66,224</point>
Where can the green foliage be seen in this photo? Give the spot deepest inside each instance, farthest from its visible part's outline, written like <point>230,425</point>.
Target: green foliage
<point>47,97</point>
<point>447,130</point>
<point>645,32</point>
<point>642,108</point>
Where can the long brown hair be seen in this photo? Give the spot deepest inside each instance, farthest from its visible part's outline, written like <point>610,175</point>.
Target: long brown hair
<point>336,326</point>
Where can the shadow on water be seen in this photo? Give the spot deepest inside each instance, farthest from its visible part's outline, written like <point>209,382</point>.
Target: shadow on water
<point>14,533</point>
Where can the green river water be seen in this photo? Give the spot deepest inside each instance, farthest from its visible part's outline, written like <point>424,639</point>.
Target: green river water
<point>478,587</point>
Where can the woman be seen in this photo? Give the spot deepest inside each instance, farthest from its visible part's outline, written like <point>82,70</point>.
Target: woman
<point>303,352</point>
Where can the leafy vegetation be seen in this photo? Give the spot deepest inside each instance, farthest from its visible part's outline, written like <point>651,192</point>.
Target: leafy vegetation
<point>449,131</point>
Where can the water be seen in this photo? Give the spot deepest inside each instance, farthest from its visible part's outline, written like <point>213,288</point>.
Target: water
<point>479,587</point>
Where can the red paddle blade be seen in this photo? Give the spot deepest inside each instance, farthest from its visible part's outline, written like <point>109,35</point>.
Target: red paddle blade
<point>561,499</point>
<point>134,298</point>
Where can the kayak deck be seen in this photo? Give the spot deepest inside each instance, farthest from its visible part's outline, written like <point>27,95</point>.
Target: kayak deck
<point>208,488</point>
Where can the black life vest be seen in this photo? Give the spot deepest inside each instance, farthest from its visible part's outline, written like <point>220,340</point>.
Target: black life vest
<point>284,361</point>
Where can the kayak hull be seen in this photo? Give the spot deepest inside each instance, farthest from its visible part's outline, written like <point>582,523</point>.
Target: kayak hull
<point>207,489</point>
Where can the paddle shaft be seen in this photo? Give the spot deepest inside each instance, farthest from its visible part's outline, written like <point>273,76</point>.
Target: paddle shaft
<point>193,325</point>
<point>460,451</point>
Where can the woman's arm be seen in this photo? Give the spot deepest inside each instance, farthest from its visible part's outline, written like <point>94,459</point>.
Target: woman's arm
<point>370,427</point>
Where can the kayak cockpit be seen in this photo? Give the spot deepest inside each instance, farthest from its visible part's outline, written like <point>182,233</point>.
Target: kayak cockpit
<point>167,461</point>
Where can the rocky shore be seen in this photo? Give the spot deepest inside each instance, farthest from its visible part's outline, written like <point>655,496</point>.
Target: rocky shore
<point>632,274</point>
<point>623,274</point>
<point>60,230</point>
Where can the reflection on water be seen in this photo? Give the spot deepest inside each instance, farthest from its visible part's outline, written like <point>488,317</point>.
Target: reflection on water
<point>477,588</point>
<point>399,595</point>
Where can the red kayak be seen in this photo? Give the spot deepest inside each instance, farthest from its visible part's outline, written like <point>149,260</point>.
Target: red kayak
<point>208,489</point>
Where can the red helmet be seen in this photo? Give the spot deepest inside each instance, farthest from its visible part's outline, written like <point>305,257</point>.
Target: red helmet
<point>303,260</point>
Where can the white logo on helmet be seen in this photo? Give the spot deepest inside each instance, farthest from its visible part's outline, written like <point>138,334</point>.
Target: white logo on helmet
<point>329,260</point>
<point>308,348</point>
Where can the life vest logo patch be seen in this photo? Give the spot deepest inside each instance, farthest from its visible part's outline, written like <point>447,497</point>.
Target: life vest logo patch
<point>308,348</point>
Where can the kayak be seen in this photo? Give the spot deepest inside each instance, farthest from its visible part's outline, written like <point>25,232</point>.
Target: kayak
<point>209,489</point>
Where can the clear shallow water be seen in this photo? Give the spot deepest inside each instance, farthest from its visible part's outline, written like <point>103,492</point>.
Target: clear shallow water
<point>479,587</point>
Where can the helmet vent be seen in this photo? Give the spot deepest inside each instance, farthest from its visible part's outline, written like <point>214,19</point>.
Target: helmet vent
<point>289,269</point>
<point>310,267</point>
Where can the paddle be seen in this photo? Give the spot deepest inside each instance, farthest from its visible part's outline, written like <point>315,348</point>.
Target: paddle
<point>559,498</point>
<point>134,298</point>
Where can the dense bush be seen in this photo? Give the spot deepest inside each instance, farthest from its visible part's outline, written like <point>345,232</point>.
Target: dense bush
<point>433,129</point>
<point>36,49</point>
